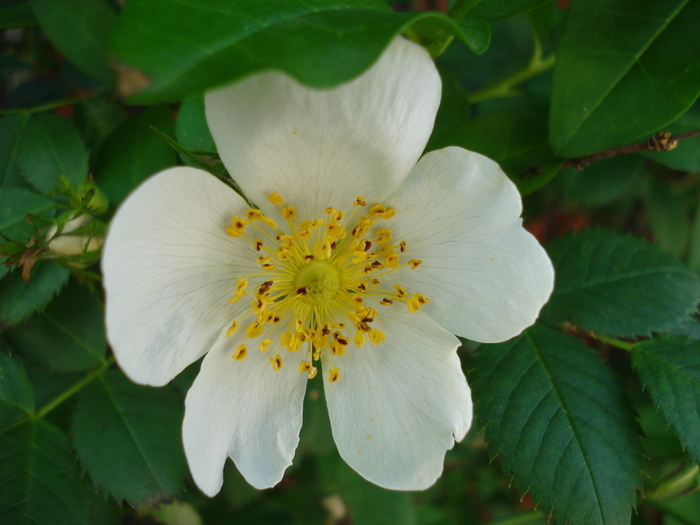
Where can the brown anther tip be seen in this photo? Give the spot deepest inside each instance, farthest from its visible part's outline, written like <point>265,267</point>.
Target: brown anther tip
<point>308,257</point>
<point>301,291</point>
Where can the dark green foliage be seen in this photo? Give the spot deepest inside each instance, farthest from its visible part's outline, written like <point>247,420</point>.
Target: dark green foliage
<point>68,335</point>
<point>669,367</point>
<point>16,394</point>
<point>128,438</point>
<point>183,49</point>
<point>557,418</point>
<point>633,63</point>
<point>39,483</point>
<point>19,299</point>
<point>618,285</point>
<point>134,152</point>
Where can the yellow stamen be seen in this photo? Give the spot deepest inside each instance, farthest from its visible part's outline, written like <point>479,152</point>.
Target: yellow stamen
<point>376,336</point>
<point>289,213</point>
<point>232,329</point>
<point>333,374</point>
<point>275,198</point>
<point>415,263</point>
<point>264,344</point>
<point>276,362</point>
<point>383,235</point>
<point>360,201</point>
<point>241,353</point>
<point>253,215</point>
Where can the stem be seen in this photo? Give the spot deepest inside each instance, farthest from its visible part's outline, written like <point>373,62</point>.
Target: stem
<point>45,107</point>
<point>504,88</point>
<point>63,396</point>
<point>622,345</point>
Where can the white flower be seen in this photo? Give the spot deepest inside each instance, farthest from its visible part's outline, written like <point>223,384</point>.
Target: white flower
<point>382,259</point>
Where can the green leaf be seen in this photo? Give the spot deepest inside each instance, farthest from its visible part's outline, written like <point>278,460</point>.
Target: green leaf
<point>16,393</point>
<point>669,367</point>
<point>96,119</point>
<point>15,205</point>
<point>134,152</point>
<point>618,285</point>
<point>602,182</point>
<point>79,29</point>
<point>178,49</point>
<point>68,336</point>
<point>615,57</point>
<point>694,247</point>
<point>140,427</point>
<point>17,15</point>
<point>20,299</point>
<point>39,483</point>
<point>557,418</point>
<point>50,148</point>
<point>516,139</point>
<point>191,128</point>
<point>668,216</point>
<point>495,10</point>
<point>10,133</point>
<point>686,156</point>
<point>370,504</point>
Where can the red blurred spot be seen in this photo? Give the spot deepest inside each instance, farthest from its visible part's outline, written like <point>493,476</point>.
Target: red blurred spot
<point>547,227</point>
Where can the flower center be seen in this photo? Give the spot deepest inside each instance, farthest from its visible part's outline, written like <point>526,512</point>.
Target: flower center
<point>320,282</point>
<point>317,282</point>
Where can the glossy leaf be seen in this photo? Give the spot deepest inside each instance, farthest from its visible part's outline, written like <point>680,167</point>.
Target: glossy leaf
<point>134,152</point>
<point>516,139</point>
<point>39,483</point>
<point>92,20</point>
<point>191,126</point>
<point>140,427</point>
<point>495,10</point>
<point>16,393</point>
<point>555,415</point>
<point>624,69</point>
<point>10,133</point>
<point>68,336</point>
<point>15,205</point>
<point>619,285</point>
<point>179,49</point>
<point>669,368</point>
<point>19,299</point>
<point>51,148</point>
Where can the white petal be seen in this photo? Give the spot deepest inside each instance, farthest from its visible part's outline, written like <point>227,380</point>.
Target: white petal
<point>169,270</point>
<point>397,407</point>
<point>323,148</point>
<point>246,411</point>
<point>486,276</point>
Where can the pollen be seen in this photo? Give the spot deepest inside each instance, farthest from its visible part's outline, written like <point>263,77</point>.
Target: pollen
<point>320,288</point>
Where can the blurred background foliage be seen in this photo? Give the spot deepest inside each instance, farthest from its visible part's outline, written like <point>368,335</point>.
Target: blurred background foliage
<point>589,417</point>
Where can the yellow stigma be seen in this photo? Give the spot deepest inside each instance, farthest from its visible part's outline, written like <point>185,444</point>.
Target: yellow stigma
<point>317,282</point>
<point>320,288</point>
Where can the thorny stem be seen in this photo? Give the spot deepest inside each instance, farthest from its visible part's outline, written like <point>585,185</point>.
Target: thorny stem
<point>663,141</point>
<point>63,396</point>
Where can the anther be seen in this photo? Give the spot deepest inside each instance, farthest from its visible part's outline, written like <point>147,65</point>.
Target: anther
<point>258,244</point>
<point>254,215</point>
<point>360,201</point>
<point>415,263</point>
<point>240,353</point>
<point>275,198</point>
<point>333,374</point>
<point>289,213</point>
<point>383,235</point>
<point>376,336</point>
<point>232,329</point>
<point>267,221</point>
<point>264,344</point>
<point>386,301</point>
<point>276,362</point>
<point>402,246</point>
